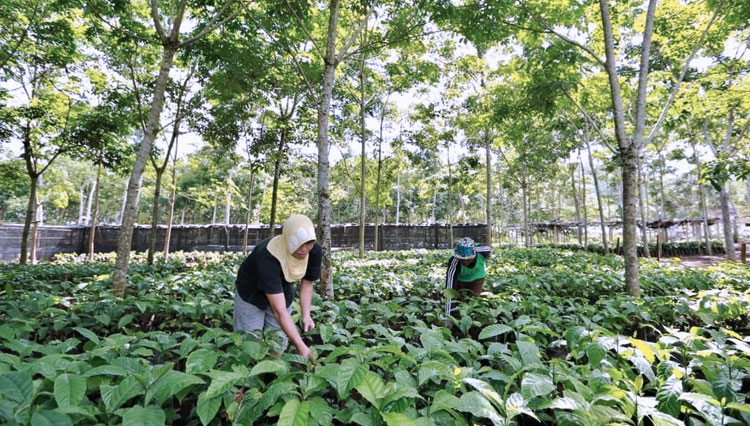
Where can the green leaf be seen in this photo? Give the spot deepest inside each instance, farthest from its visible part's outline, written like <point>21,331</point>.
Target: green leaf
<point>320,411</point>
<point>69,389</point>
<point>349,376</point>
<point>486,390</point>
<point>474,403</point>
<point>50,418</point>
<point>125,320</point>
<point>595,352</point>
<point>16,386</point>
<point>143,416</point>
<point>529,352</point>
<point>221,381</point>
<point>294,413</point>
<point>106,370</point>
<point>207,408</point>
<point>494,330</point>
<point>534,385</point>
<point>372,388</point>
<point>668,396</point>
<point>398,419</point>
<point>269,366</point>
<point>170,384</point>
<point>739,406</point>
<point>115,396</point>
<point>200,361</point>
<point>85,332</point>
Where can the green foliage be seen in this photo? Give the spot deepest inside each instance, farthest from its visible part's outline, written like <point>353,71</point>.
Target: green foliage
<point>553,338</point>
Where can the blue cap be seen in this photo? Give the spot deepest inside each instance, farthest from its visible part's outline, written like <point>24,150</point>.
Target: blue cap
<point>464,249</point>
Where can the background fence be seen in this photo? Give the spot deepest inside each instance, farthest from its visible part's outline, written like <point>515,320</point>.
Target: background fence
<point>74,239</point>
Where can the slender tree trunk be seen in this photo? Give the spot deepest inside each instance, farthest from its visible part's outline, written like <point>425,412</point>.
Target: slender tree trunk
<point>450,217</point>
<point>38,217</point>
<point>119,276</point>
<point>583,202</point>
<point>95,213</point>
<point>488,165</point>
<point>122,205</point>
<point>598,200</point>
<point>377,182</point>
<point>575,202</point>
<point>154,217</point>
<point>89,203</point>
<point>228,204</point>
<point>747,194</point>
<point>30,215</point>
<point>524,199</point>
<point>324,196</point>
<point>362,158</point>
<point>398,197</point>
<point>642,205</point>
<point>276,178</point>
<point>215,205</point>
<point>726,222</point>
<point>662,210</point>
<point>249,210</point>
<point>172,200</point>
<point>81,193</point>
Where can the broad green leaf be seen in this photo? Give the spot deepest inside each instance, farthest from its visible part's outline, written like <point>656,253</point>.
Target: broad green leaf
<point>486,390</point>
<point>433,370</point>
<point>320,411</point>
<point>529,353</point>
<point>125,320</point>
<point>207,408</point>
<point>474,403</point>
<point>663,419</point>
<point>269,366</point>
<point>106,370</point>
<point>534,385</point>
<point>645,349</point>
<point>668,396</point>
<point>398,419</point>
<point>115,396</point>
<point>143,416</point>
<point>643,367</point>
<point>85,332</point>
<point>69,389</point>
<point>221,381</point>
<point>349,376</point>
<point>16,386</point>
<point>50,418</point>
<point>494,330</point>
<point>294,413</point>
<point>745,408</point>
<point>595,352</point>
<point>565,403</point>
<point>372,388</point>
<point>169,385</point>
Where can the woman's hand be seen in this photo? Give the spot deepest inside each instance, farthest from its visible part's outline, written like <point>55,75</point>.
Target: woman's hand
<point>307,323</point>
<point>305,352</point>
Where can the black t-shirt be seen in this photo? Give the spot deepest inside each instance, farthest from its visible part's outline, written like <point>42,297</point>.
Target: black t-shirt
<point>261,273</point>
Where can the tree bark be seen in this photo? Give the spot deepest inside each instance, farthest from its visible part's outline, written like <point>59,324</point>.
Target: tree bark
<point>726,223</point>
<point>81,193</point>
<point>228,204</point>
<point>598,200</point>
<point>642,205</point>
<point>572,169</point>
<point>276,177</point>
<point>172,200</point>
<point>362,158</point>
<point>398,196</point>
<point>35,228</point>
<point>30,213</point>
<point>249,207</point>
<point>324,196</point>
<point>524,199</point>
<point>95,212</point>
<point>154,217</point>
<point>119,276</point>
<point>89,203</point>
<point>377,182</point>
<point>488,165</point>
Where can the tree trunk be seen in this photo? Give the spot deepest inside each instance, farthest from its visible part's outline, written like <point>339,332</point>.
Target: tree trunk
<point>585,209</point>
<point>228,204</point>
<point>726,222</point>
<point>598,200</point>
<point>249,210</point>
<point>30,213</point>
<point>95,213</point>
<point>524,199</point>
<point>119,276</point>
<point>488,165</point>
<point>575,202</point>
<point>629,157</point>
<point>661,189</point>
<point>747,194</point>
<point>377,182</point>
<point>213,213</point>
<point>362,158</point>
<point>124,202</point>
<point>398,196</point>
<point>276,177</point>
<point>89,202</point>
<point>642,205</point>
<point>154,217</point>
<point>81,193</point>
<point>324,196</point>
<point>172,200</point>
<point>702,196</point>
<point>38,214</point>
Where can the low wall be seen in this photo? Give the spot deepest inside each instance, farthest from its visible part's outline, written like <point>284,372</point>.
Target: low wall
<point>74,239</point>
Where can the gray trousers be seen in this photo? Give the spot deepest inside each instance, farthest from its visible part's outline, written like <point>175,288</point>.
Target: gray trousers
<point>248,317</point>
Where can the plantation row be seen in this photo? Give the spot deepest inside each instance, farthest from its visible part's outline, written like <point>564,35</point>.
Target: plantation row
<point>554,341</point>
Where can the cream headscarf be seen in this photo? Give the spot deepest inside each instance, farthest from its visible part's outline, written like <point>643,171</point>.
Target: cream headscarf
<point>297,230</point>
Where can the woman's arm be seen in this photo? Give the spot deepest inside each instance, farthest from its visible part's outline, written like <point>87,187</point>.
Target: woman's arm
<point>305,302</point>
<point>278,306</point>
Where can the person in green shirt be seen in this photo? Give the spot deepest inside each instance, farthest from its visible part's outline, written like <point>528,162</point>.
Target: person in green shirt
<point>466,269</point>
